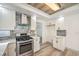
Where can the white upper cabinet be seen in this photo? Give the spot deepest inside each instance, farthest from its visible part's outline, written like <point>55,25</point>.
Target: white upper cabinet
<point>24,19</point>
<point>7,19</point>
<point>33,22</point>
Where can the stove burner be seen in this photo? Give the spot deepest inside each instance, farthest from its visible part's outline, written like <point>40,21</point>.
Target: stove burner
<point>23,37</point>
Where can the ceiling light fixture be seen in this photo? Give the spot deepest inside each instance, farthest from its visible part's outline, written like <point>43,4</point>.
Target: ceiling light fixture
<point>53,6</point>
<point>61,18</point>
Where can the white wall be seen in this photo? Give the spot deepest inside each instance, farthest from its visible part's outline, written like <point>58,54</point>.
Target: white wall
<point>7,19</point>
<point>72,27</point>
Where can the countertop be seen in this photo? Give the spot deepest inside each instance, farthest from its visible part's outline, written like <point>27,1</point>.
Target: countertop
<point>4,43</point>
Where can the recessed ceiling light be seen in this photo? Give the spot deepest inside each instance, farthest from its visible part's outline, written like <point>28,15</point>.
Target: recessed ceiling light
<point>61,18</point>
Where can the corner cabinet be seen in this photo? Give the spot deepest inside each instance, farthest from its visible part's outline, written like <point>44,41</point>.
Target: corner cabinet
<point>7,19</point>
<point>12,49</point>
<point>59,43</point>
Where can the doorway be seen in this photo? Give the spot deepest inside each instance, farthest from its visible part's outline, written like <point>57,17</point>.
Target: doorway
<point>39,31</point>
<point>50,33</point>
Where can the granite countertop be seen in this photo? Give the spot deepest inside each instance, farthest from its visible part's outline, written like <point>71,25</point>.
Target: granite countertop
<point>4,43</point>
<point>7,40</point>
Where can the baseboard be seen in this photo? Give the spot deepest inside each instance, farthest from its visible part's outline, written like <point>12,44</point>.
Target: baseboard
<point>72,49</point>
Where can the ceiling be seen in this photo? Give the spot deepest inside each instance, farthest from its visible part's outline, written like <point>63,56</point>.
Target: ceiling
<point>51,8</point>
<point>30,10</point>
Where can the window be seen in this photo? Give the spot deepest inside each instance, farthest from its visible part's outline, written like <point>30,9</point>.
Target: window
<point>4,33</point>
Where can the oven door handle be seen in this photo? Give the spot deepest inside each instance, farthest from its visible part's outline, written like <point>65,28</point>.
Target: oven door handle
<point>25,43</point>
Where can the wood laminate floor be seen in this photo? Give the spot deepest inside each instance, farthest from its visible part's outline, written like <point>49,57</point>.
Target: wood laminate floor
<point>48,50</point>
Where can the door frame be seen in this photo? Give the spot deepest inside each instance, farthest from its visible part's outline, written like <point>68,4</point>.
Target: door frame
<point>41,41</point>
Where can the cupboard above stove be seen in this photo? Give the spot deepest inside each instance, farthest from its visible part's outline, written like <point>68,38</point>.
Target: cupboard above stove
<point>22,21</point>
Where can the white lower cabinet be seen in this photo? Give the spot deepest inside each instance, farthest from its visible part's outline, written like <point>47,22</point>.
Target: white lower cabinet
<point>12,49</point>
<point>55,45</point>
<point>36,44</point>
<point>59,43</point>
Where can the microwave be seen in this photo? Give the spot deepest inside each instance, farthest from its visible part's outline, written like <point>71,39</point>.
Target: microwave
<point>61,32</point>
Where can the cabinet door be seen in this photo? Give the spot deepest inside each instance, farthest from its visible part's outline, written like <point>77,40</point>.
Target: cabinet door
<point>61,44</point>
<point>55,44</point>
<point>7,19</point>
<point>6,52</point>
<point>24,19</point>
<point>33,22</point>
<point>36,44</point>
<point>11,49</point>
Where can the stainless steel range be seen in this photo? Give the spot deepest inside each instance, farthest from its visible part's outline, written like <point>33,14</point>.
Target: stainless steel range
<point>24,45</point>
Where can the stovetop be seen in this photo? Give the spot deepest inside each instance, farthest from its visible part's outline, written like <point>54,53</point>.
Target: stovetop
<point>23,38</point>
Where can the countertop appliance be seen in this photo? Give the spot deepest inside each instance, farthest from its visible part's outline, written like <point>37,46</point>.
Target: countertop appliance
<point>24,45</point>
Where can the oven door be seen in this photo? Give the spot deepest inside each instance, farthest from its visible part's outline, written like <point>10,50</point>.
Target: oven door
<point>25,48</point>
